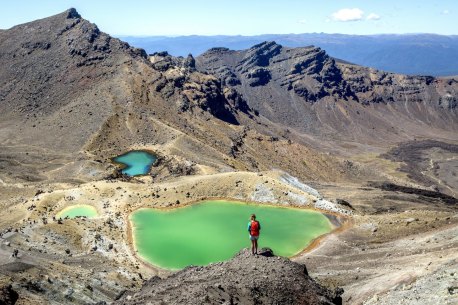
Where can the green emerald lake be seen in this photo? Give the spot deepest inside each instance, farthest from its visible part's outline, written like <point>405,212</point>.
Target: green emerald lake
<point>213,231</point>
<point>136,162</point>
<point>78,210</point>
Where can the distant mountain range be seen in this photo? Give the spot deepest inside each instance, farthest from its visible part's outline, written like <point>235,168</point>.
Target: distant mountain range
<point>415,54</point>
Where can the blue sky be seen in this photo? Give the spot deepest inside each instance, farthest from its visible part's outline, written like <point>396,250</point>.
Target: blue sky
<point>247,17</point>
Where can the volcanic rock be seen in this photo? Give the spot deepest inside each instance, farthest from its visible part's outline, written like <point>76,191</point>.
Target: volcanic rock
<point>245,279</point>
<point>8,296</point>
<point>306,89</point>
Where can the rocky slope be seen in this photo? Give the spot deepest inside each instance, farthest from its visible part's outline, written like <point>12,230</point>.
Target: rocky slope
<point>245,279</point>
<point>305,89</point>
<point>55,68</point>
<point>76,97</point>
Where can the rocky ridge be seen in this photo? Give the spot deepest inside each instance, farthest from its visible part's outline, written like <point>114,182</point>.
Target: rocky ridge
<point>196,89</point>
<point>306,89</point>
<point>245,279</point>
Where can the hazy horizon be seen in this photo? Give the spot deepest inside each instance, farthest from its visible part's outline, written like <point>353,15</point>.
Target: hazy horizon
<point>292,34</point>
<point>143,18</point>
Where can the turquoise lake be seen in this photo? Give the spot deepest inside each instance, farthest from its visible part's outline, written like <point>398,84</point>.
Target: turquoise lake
<point>136,162</point>
<point>213,231</point>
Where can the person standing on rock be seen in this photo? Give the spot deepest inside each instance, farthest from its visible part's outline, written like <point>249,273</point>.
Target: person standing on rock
<point>253,228</point>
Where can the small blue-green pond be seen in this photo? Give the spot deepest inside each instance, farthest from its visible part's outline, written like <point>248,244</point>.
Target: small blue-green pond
<point>136,162</point>
<point>78,210</point>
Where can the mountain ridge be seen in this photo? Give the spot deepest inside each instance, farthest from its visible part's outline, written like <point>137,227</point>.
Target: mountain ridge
<point>415,54</point>
<point>297,86</point>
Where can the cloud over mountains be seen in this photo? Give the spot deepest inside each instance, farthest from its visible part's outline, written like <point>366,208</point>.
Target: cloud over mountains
<point>352,14</point>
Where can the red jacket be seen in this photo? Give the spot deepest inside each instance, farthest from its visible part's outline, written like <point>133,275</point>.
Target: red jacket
<point>254,227</point>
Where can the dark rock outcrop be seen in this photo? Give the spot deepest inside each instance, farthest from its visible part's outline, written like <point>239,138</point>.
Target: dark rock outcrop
<point>162,61</point>
<point>258,77</point>
<point>196,89</point>
<point>309,71</point>
<point>388,186</point>
<point>8,296</point>
<point>259,55</point>
<point>245,279</point>
<point>415,161</point>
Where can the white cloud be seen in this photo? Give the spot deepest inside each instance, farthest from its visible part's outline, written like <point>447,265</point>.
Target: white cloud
<point>373,16</point>
<point>302,21</point>
<point>445,12</point>
<point>348,14</point>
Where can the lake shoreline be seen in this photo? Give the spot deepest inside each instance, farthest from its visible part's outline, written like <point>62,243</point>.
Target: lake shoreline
<point>337,222</point>
<point>124,166</point>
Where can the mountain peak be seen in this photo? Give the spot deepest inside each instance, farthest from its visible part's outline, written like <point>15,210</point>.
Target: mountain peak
<point>72,13</point>
<point>266,44</point>
<point>260,54</point>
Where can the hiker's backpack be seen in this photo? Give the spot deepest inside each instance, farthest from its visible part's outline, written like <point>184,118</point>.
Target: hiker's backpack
<point>254,228</point>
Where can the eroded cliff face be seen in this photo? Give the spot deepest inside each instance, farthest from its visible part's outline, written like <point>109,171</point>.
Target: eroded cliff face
<point>196,89</point>
<point>306,89</point>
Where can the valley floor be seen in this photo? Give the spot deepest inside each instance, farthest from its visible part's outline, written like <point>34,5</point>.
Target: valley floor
<point>392,249</point>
